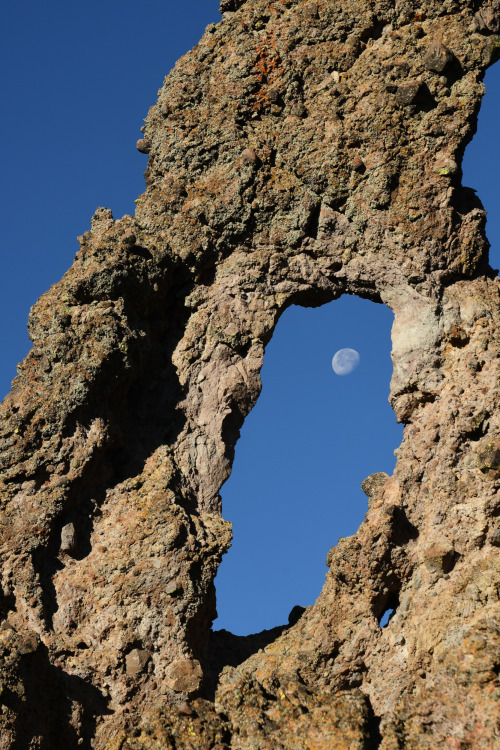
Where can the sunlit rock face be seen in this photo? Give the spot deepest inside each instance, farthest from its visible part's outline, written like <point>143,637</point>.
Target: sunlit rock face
<point>303,150</point>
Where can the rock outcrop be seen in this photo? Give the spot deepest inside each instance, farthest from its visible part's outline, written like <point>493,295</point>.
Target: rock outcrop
<point>303,150</point>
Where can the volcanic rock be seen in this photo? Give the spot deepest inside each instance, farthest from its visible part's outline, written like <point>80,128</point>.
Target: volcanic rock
<point>146,357</point>
<point>68,538</point>
<point>438,57</point>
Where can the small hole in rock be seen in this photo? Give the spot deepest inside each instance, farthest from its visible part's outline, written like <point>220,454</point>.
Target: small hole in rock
<point>384,620</point>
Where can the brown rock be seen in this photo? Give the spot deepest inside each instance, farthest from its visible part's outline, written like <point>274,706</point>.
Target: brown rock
<point>488,18</point>
<point>437,57</point>
<point>184,709</point>
<point>409,93</point>
<point>136,660</point>
<point>143,146</point>
<point>358,164</point>
<point>129,238</point>
<point>184,676</point>
<point>249,155</point>
<point>439,558</point>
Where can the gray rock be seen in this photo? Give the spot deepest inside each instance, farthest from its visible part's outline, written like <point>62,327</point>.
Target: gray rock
<point>68,538</point>
<point>494,538</point>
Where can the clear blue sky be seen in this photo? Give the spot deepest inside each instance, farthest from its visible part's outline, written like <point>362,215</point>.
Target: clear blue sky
<point>77,81</point>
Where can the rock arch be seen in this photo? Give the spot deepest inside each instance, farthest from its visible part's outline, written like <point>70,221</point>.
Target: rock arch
<point>302,455</point>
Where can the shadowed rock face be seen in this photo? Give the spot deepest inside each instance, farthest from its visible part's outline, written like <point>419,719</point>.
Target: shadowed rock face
<point>303,150</point>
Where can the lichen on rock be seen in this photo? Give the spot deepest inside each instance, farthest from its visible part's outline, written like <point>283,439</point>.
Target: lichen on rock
<point>301,151</point>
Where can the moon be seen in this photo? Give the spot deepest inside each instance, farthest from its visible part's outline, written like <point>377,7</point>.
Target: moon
<point>345,361</point>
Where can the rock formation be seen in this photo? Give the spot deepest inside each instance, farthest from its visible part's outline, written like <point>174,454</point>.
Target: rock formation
<point>303,150</point>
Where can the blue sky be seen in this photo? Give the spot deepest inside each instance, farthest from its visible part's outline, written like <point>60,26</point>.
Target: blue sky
<point>77,81</point>
<point>304,450</point>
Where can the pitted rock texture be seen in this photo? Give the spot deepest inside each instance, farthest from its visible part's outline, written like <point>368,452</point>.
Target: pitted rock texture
<point>303,150</point>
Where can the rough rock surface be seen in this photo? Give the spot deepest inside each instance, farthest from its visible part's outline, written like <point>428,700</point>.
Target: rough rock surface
<point>303,150</point>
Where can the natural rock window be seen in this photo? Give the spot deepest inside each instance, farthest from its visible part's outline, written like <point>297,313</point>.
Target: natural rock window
<point>304,450</point>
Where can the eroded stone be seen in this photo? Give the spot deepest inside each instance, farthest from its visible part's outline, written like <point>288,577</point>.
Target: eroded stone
<point>438,57</point>
<point>146,359</point>
<point>136,660</point>
<point>184,676</point>
<point>68,538</point>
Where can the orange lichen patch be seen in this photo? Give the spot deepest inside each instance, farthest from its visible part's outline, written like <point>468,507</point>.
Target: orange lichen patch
<point>269,68</point>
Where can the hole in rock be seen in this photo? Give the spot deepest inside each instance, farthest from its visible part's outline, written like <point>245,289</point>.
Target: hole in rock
<point>303,452</point>
<point>384,620</point>
<point>481,163</point>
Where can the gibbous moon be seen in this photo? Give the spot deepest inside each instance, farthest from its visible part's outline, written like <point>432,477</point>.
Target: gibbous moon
<point>345,361</point>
